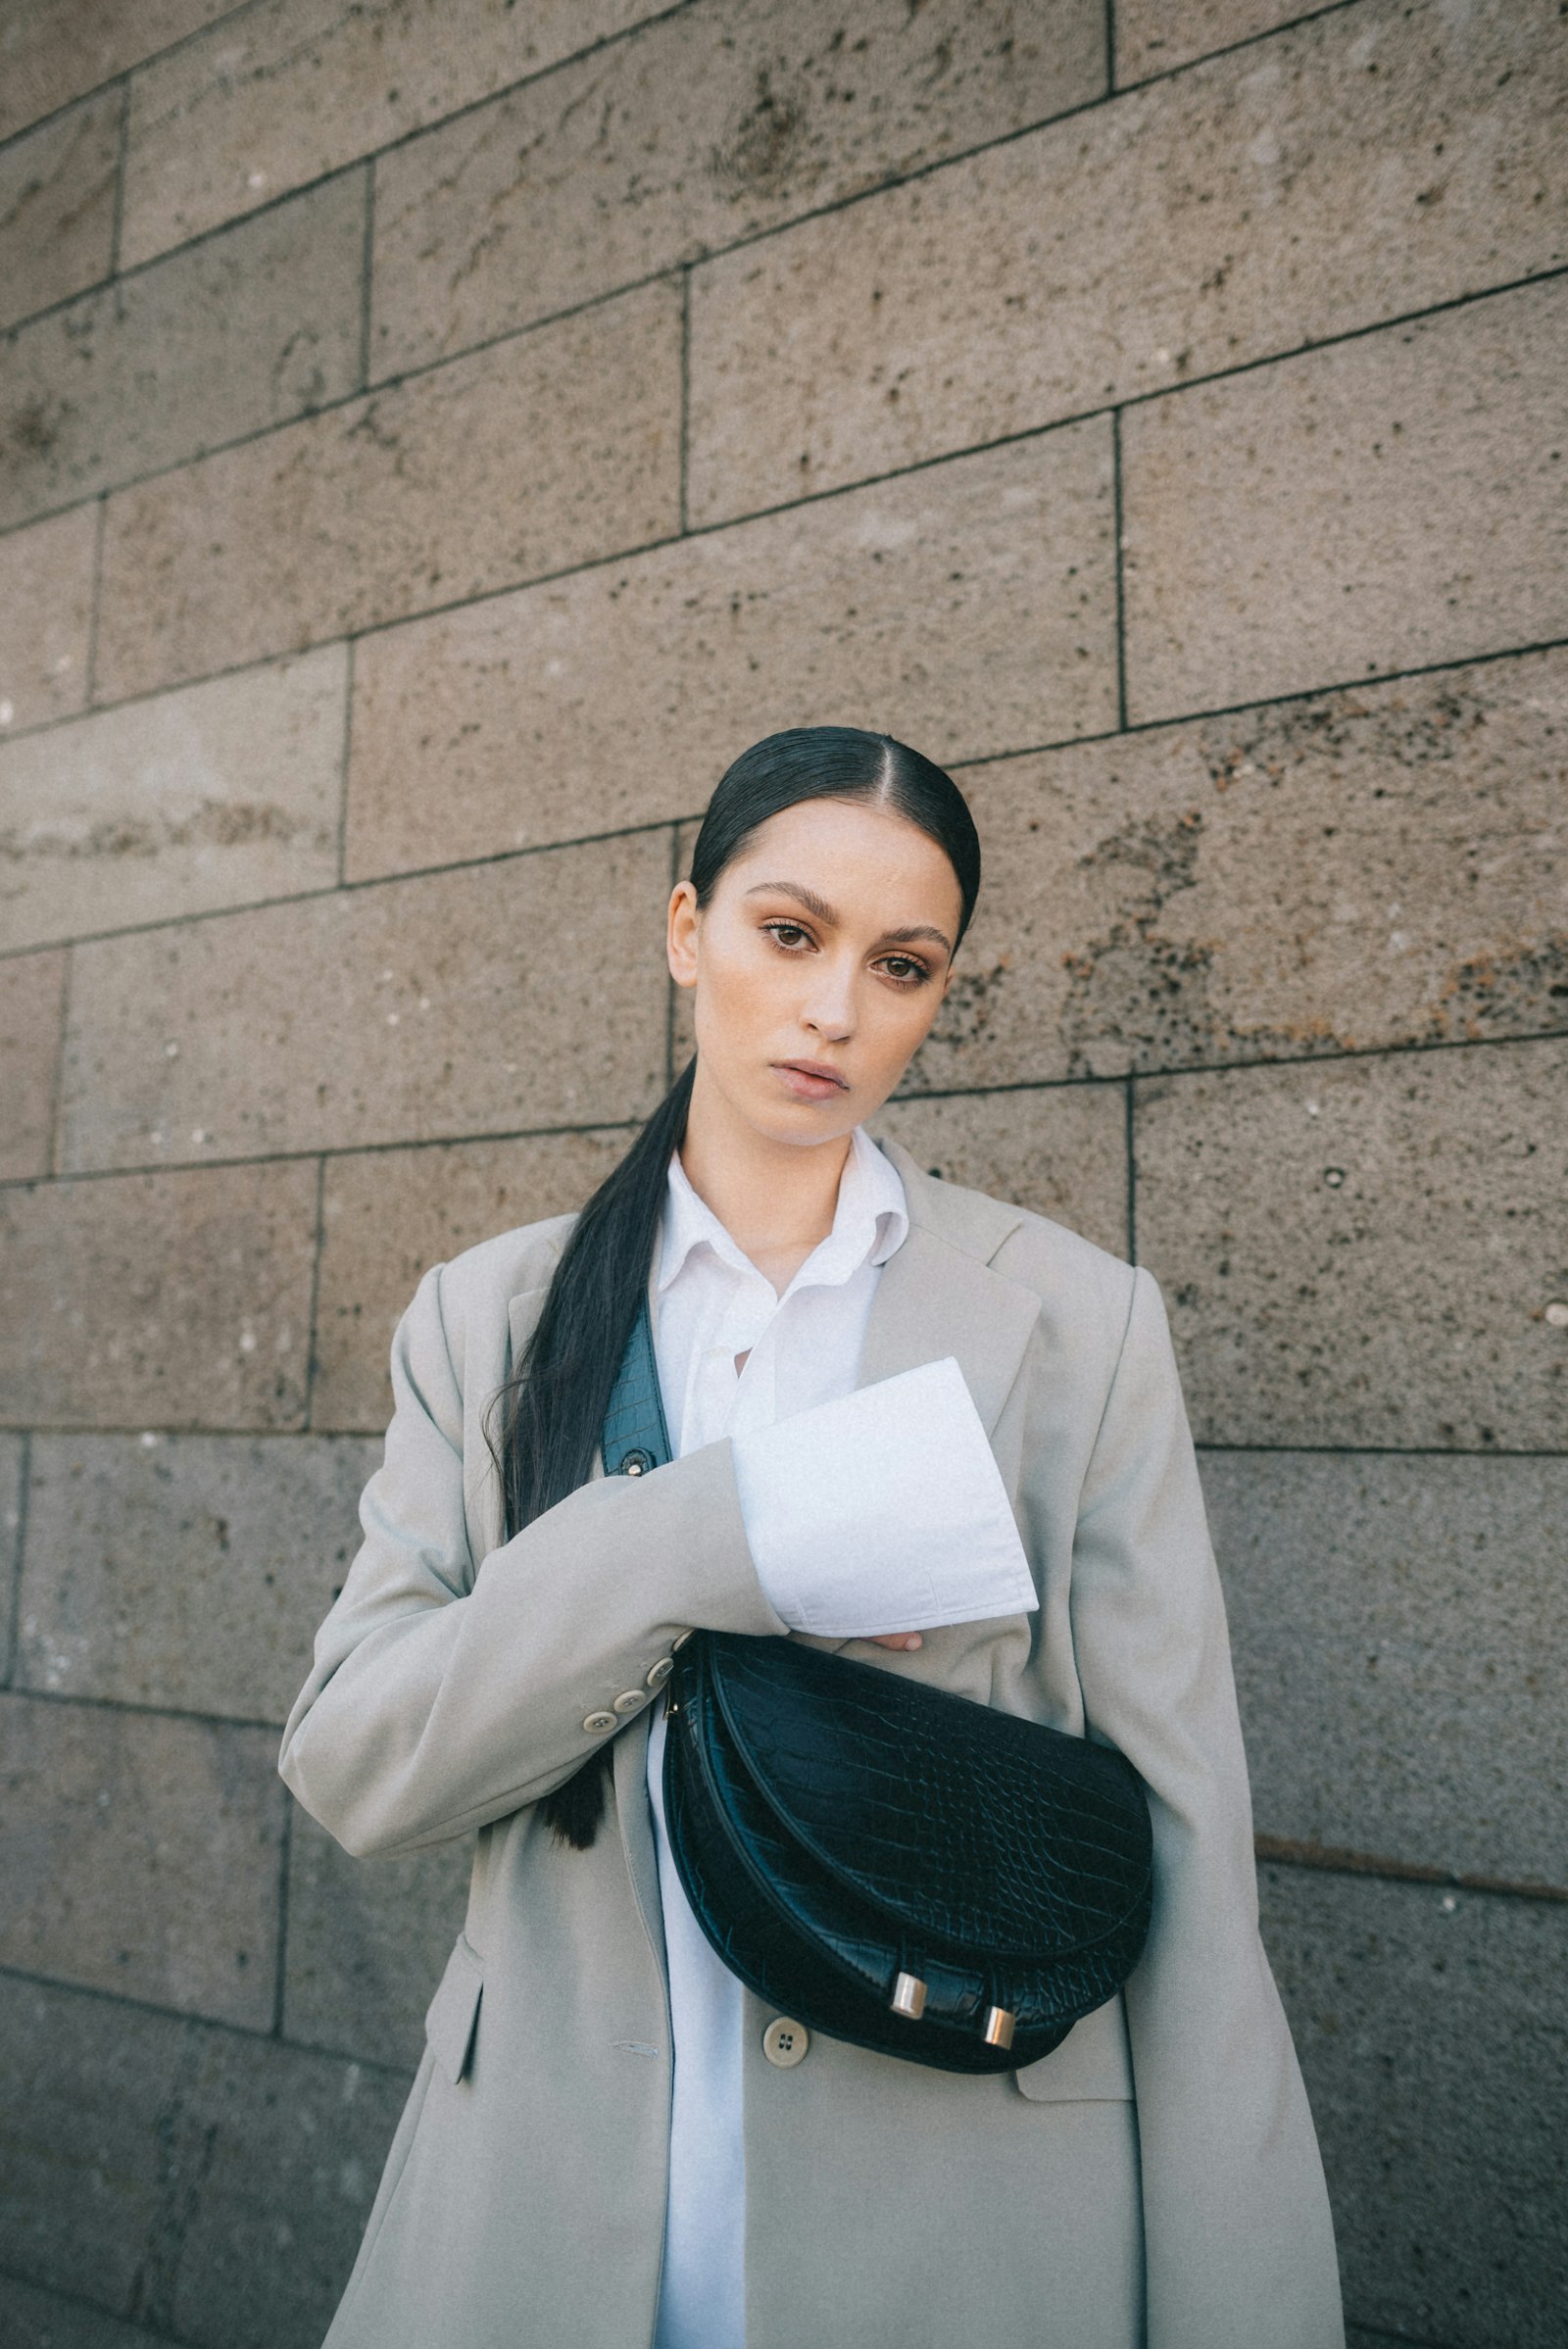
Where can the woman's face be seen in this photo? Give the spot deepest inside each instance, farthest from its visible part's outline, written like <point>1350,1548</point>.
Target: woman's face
<point>828,940</point>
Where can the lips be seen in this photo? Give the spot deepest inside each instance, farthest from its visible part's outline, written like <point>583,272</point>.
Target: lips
<point>810,1080</point>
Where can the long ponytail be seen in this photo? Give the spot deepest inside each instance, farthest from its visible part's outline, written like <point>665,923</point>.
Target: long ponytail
<point>552,1406</point>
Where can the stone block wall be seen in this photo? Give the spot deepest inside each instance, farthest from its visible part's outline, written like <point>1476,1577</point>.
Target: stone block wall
<point>433,441</point>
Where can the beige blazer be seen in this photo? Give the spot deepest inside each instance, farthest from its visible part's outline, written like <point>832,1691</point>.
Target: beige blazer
<point>1155,2179</point>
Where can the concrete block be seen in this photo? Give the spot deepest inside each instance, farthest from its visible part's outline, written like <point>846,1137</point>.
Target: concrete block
<point>1364,1252</point>
<point>1429,2024</point>
<point>520,995</point>
<point>1153,35</point>
<point>967,608</point>
<point>557,448</point>
<point>187,1572</point>
<point>142,1854</point>
<point>221,794</point>
<point>244,332</point>
<point>33,2320</point>
<point>1361,166</point>
<point>1061,1150</point>
<point>302,86</point>
<point>1399,1652</point>
<point>46,592</point>
<point>386,1215</point>
<point>32,1005</point>
<point>367,1942</point>
<point>178,1300</point>
<point>57,206</point>
<point>11,1479</point>
<point>200,2183</point>
<point>1388,502</point>
<point>55,53</point>
<point>562,189</point>
<point>1381,865</point>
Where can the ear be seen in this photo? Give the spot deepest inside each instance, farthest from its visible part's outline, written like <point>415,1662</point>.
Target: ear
<point>681,927</point>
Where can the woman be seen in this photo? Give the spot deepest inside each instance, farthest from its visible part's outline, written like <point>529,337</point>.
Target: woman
<point>908,1420</point>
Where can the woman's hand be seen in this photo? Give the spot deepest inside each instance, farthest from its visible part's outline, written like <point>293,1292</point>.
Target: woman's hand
<point>897,1639</point>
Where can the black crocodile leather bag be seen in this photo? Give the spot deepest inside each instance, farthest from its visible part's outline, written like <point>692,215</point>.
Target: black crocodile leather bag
<point>879,1859</point>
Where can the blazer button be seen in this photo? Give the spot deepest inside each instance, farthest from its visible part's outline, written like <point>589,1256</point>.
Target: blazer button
<point>600,1722</point>
<point>659,1673</point>
<point>637,1463</point>
<point>630,1700</point>
<point>784,2042</point>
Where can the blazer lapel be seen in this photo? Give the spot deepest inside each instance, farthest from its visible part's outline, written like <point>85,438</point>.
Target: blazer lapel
<point>938,1293</point>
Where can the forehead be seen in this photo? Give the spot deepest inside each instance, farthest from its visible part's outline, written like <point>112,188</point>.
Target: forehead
<point>845,832</point>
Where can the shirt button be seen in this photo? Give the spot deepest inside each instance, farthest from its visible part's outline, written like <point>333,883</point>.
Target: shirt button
<point>659,1673</point>
<point>598,1722</point>
<point>784,2042</point>
<point>630,1700</point>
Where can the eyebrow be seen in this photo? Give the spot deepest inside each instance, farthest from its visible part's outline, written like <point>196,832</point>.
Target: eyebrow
<point>824,913</point>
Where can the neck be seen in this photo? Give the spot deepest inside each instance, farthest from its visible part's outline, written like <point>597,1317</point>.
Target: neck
<point>775,1199</point>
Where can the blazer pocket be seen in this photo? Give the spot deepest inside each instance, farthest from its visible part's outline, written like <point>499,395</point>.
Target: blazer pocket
<point>453,2012</point>
<point>1091,2065</point>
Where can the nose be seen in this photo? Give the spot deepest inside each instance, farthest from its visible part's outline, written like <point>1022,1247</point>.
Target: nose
<point>829,1006</point>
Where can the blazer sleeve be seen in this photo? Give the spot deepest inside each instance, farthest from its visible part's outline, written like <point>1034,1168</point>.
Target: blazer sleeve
<point>1239,2241</point>
<point>442,1694</point>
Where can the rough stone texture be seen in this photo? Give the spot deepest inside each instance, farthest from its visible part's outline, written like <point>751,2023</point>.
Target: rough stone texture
<point>709,126</point>
<point>1363,1252</point>
<point>57,206</point>
<point>1273,198</point>
<point>33,2320</point>
<point>968,608</point>
<point>198,2182</point>
<point>188,1572</point>
<point>165,1300</point>
<point>1429,2027</point>
<point>367,1942</point>
<point>300,86</point>
<point>243,332</point>
<point>1152,36</point>
<point>557,448</point>
<point>1379,866</point>
<point>386,1215</point>
<point>1436,526</point>
<point>1061,1151</point>
<point>522,995</point>
<point>221,794</point>
<point>46,585</point>
<point>52,54</point>
<point>11,1479</point>
<point>1401,1650</point>
<point>31,1006</point>
<point>142,1854</point>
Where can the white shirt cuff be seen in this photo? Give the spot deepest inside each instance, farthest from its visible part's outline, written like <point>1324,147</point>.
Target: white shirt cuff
<point>883,1511</point>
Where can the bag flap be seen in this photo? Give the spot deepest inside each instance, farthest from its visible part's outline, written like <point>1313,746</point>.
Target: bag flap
<point>1091,2066</point>
<point>964,1824</point>
<point>454,2010</point>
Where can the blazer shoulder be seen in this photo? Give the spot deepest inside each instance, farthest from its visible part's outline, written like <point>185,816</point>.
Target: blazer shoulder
<point>1051,1257</point>
<point>474,1290</point>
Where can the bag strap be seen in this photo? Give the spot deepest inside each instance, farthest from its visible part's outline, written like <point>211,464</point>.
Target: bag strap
<point>635,1438</point>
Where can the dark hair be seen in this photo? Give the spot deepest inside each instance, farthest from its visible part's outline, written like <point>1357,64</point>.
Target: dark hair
<point>553,1405</point>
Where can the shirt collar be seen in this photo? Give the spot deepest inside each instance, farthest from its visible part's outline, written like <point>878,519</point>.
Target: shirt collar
<point>869,1220</point>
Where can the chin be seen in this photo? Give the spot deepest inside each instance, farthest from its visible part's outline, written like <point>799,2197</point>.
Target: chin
<point>785,1120</point>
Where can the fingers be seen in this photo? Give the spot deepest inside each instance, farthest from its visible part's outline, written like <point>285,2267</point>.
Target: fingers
<point>900,1640</point>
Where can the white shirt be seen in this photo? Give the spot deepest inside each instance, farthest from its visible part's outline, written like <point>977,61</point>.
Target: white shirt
<point>867,1510</point>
